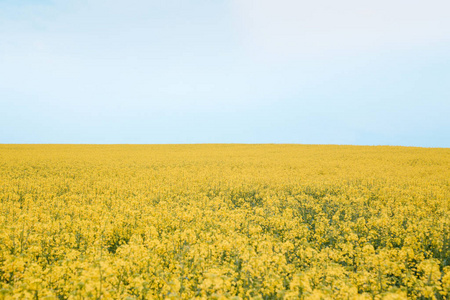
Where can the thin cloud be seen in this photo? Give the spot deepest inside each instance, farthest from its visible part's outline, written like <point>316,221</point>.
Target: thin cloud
<point>292,28</point>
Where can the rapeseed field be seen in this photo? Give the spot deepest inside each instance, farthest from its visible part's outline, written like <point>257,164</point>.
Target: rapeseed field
<point>224,222</point>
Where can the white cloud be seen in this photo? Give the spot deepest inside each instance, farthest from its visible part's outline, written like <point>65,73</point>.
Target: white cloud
<point>288,28</point>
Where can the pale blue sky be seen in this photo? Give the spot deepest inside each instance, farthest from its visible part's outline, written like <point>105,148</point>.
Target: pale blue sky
<point>240,71</point>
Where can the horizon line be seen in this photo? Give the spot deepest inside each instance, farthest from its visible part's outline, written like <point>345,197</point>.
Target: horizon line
<point>217,144</point>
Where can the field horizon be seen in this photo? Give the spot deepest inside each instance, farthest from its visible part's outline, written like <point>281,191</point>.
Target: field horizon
<point>218,144</point>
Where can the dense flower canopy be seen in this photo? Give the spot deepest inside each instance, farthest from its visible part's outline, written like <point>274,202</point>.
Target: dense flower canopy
<point>224,221</point>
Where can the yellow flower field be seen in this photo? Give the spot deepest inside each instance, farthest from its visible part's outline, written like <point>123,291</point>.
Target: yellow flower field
<point>224,222</point>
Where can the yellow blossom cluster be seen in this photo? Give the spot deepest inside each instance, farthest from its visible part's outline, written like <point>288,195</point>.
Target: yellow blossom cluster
<point>224,222</point>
